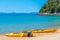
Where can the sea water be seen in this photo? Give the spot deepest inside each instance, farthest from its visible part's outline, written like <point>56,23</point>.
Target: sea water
<point>21,22</point>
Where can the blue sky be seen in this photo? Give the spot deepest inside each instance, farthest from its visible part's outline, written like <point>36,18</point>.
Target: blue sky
<point>21,5</point>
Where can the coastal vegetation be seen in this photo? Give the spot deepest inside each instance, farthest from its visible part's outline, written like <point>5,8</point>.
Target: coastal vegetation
<point>52,6</point>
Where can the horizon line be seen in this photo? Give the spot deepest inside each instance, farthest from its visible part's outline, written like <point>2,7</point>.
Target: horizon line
<point>18,12</point>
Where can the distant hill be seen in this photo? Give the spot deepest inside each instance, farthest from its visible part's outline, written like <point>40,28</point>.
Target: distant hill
<point>52,6</point>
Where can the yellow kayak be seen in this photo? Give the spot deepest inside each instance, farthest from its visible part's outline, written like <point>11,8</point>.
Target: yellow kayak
<point>44,31</point>
<point>30,34</point>
<point>16,35</point>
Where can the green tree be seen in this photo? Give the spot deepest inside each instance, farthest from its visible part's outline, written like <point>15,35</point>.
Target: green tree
<point>50,6</point>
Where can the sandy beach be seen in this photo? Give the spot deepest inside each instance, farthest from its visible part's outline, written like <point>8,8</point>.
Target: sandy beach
<point>40,36</point>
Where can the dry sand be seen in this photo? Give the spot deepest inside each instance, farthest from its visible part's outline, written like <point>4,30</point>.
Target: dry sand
<point>40,36</point>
